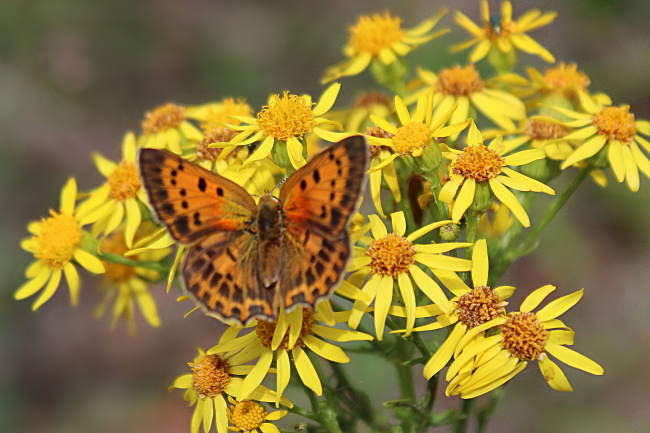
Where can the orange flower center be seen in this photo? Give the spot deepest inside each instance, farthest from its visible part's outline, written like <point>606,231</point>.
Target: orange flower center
<point>524,336</point>
<point>412,138</point>
<point>287,116</point>
<point>124,181</point>
<point>247,415</point>
<point>479,163</point>
<point>480,306</point>
<point>391,255</point>
<point>162,118</point>
<point>541,130</point>
<point>375,33</point>
<point>211,376</point>
<point>376,131</point>
<point>213,133</point>
<point>265,330</point>
<point>59,236</point>
<point>459,81</point>
<point>566,79</point>
<point>616,123</point>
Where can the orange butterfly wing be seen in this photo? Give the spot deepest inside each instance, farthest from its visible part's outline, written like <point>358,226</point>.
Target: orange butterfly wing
<point>213,214</point>
<point>191,201</point>
<point>318,201</point>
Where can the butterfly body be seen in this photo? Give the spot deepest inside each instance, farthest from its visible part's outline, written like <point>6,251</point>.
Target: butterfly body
<point>247,260</point>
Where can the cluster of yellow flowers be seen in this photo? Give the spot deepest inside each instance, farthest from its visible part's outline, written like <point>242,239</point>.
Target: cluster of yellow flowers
<point>432,180</point>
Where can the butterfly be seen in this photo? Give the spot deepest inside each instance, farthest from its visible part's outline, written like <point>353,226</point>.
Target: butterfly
<point>247,260</point>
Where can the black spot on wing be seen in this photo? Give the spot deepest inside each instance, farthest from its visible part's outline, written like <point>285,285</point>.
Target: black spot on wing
<point>202,184</point>
<point>168,209</point>
<point>316,176</point>
<point>220,191</point>
<point>336,216</point>
<point>182,225</point>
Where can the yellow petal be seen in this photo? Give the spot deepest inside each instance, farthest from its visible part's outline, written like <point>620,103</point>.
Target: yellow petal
<point>447,263</point>
<point>631,170</point>
<point>525,157</point>
<point>509,199</point>
<point>574,359</point>
<point>615,156</point>
<point>383,124</point>
<point>399,223</point>
<point>383,300</point>
<point>480,50</point>
<point>464,199</point>
<point>402,111</point>
<point>306,370</point>
<point>559,306</point>
<point>34,285</point>
<point>284,374</point>
<point>444,352</point>
<point>408,297</point>
<point>325,350</point>
<point>587,149</point>
<point>220,414</point>
<point>449,189</point>
<point>72,277</point>
<point>327,100</point>
<point>69,196</point>
<point>553,375</point>
<point>49,290</point>
<point>263,151</point>
<point>430,288</point>
<point>378,228</point>
<point>295,326</point>
<point>294,149</point>
<point>256,376</point>
<point>480,263</point>
<point>535,298</point>
<point>133,219</point>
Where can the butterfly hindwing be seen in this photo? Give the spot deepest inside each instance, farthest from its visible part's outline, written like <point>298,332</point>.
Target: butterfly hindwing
<point>221,272</point>
<point>313,266</point>
<point>191,201</point>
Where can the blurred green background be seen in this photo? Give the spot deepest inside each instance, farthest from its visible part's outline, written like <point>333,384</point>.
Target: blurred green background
<point>75,75</point>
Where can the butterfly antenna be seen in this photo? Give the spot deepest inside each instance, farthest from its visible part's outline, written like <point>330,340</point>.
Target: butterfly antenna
<point>279,184</point>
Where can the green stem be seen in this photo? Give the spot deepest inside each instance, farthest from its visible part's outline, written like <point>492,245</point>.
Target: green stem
<point>121,260</point>
<point>303,413</point>
<point>486,414</point>
<point>434,181</point>
<point>465,413</point>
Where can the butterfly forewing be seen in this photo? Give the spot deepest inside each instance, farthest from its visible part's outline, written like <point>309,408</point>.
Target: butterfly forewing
<point>325,192</point>
<point>221,272</point>
<point>191,201</point>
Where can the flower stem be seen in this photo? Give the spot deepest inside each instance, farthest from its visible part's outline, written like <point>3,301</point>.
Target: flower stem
<point>121,260</point>
<point>463,419</point>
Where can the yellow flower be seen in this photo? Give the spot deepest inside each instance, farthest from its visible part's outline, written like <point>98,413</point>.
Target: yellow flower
<point>465,87</point>
<point>391,259</point>
<point>167,127</point>
<point>248,416</point>
<point>286,119</point>
<point>291,333</point>
<point>612,130</point>
<point>121,196</point>
<point>126,285</point>
<point>484,363</point>
<point>215,375</point>
<point>381,39</point>
<point>470,308</point>
<point>565,80</point>
<point>56,243</point>
<point>214,117</point>
<point>499,32</point>
<point>416,137</point>
<point>480,170</point>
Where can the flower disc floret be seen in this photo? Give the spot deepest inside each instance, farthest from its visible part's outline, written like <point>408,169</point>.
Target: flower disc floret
<point>265,330</point>
<point>480,306</point>
<point>411,138</point>
<point>524,336</point>
<point>566,79</point>
<point>615,123</point>
<point>287,116</point>
<point>211,376</point>
<point>162,118</point>
<point>58,237</point>
<point>391,255</point>
<point>247,415</point>
<point>542,130</point>
<point>459,81</point>
<point>124,181</point>
<point>479,163</point>
<point>373,33</point>
<point>213,134</point>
